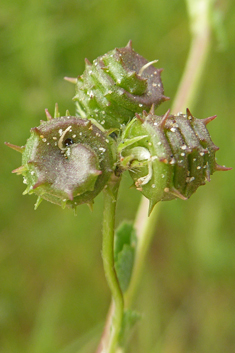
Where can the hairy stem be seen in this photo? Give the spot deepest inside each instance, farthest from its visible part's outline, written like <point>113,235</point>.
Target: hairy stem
<point>110,336</point>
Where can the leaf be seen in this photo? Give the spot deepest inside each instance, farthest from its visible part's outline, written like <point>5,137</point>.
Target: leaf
<point>124,253</point>
<point>129,320</point>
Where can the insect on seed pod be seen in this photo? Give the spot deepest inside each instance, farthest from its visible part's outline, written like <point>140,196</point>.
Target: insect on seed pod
<point>116,86</point>
<point>168,156</point>
<point>66,161</point>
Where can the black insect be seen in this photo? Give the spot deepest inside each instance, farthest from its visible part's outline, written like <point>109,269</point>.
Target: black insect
<point>68,142</point>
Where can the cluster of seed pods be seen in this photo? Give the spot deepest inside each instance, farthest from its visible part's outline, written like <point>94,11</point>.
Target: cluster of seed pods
<point>68,160</point>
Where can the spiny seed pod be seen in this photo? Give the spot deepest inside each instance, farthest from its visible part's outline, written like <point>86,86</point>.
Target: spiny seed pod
<point>66,161</point>
<point>168,156</point>
<point>116,86</point>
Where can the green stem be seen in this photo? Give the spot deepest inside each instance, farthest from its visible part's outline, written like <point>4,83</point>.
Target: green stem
<point>116,313</point>
<point>144,226</point>
<point>199,13</point>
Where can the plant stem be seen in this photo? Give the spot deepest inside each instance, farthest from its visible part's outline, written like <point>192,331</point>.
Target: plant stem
<point>144,226</point>
<point>111,333</point>
<point>199,12</point>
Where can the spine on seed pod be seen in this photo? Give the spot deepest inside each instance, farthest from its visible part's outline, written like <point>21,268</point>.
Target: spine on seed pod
<point>66,160</point>
<point>168,156</point>
<point>116,86</point>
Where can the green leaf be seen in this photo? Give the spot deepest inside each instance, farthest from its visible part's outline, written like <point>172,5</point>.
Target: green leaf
<point>124,253</point>
<point>129,320</point>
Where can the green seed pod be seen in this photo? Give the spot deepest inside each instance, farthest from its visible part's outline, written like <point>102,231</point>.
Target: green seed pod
<point>116,86</point>
<point>168,156</point>
<point>66,161</point>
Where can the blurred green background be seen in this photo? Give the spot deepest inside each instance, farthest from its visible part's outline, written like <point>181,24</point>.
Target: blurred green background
<point>53,294</point>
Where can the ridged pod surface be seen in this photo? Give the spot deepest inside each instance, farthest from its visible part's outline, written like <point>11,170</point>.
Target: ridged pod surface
<point>168,156</point>
<point>66,161</point>
<point>116,86</point>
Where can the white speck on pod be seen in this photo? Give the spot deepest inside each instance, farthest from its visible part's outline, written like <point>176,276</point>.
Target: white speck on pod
<point>68,152</point>
<point>102,149</point>
<point>189,180</point>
